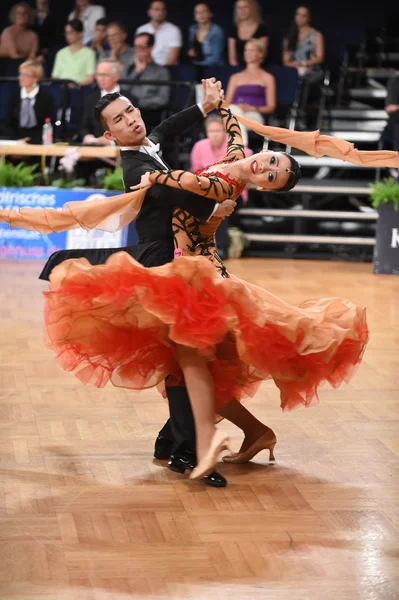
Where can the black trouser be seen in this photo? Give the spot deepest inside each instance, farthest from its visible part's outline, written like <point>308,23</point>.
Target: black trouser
<point>179,428</point>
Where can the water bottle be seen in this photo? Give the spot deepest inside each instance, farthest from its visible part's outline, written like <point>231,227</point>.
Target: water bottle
<point>47,132</point>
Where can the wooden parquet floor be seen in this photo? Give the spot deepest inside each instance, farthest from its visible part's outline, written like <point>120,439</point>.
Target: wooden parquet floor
<point>87,514</point>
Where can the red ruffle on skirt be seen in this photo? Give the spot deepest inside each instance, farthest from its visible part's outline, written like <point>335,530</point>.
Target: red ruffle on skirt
<point>117,322</point>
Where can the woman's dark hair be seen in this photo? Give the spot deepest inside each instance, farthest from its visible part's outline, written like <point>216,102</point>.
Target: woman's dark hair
<point>76,25</point>
<point>294,174</point>
<point>292,37</point>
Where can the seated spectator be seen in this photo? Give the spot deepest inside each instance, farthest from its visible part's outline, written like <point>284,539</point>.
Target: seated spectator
<point>29,106</point>
<point>108,73</point>
<point>18,40</point>
<point>46,25</point>
<point>206,39</point>
<point>89,14</point>
<point>118,49</point>
<point>252,92</point>
<point>150,98</point>
<point>209,151</point>
<point>75,61</point>
<point>391,131</point>
<point>168,37</point>
<point>303,48</point>
<point>247,26</point>
<point>99,42</point>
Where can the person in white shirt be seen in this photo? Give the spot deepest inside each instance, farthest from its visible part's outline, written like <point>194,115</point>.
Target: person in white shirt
<point>89,15</point>
<point>168,37</point>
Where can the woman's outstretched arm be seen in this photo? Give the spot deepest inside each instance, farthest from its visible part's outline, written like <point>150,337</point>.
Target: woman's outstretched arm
<point>235,145</point>
<point>211,186</point>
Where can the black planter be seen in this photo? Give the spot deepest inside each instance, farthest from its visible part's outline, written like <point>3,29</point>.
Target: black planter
<point>386,250</point>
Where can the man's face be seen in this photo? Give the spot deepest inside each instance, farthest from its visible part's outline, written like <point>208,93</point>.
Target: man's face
<point>101,32</point>
<point>157,12</point>
<point>124,123</point>
<point>42,4</point>
<point>141,48</point>
<point>72,36</point>
<point>105,78</point>
<point>115,36</point>
<point>216,134</point>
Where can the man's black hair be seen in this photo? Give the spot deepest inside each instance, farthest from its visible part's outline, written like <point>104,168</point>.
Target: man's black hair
<point>103,103</point>
<point>150,38</point>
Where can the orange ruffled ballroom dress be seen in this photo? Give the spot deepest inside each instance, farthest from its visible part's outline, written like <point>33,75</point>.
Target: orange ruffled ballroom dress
<point>117,322</point>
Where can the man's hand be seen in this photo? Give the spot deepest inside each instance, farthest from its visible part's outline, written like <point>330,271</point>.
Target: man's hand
<point>139,66</point>
<point>144,182</point>
<point>212,94</point>
<point>225,209</point>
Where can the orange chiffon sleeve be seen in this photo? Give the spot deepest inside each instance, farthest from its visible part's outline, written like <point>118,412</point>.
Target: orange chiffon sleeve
<point>108,214</point>
<point>315,144</point>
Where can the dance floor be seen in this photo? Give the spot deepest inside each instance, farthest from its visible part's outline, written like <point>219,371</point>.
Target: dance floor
<point>86,513</point>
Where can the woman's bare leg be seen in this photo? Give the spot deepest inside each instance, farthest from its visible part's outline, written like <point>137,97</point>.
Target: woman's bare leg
<point>201,392</point>
<point>236,413</point>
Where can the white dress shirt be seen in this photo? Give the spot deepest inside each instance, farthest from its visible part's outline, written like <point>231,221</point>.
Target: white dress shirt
<point>166,36</point>
<point>31,95</point>
<point>89,15</point>
<point>117,88</point>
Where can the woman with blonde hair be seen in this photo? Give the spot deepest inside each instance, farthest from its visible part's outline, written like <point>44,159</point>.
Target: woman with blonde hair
<point>30,105</point>
<point>18,40</point>
<point>252,92</point>
<point>247,25</point>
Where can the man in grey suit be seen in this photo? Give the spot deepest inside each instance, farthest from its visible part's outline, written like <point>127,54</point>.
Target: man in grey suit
<point>150,98</point>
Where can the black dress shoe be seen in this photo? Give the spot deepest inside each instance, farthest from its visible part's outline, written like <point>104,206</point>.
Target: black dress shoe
<point>187,462</point>
<point>163,447</point>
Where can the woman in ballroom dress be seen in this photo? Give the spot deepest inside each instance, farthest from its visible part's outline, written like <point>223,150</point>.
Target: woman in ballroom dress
<point>130,325</point>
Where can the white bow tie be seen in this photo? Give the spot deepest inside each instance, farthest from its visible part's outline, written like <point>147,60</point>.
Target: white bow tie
<point>153,150</point>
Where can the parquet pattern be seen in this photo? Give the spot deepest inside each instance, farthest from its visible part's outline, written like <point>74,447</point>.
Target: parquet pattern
<point>87,514</point>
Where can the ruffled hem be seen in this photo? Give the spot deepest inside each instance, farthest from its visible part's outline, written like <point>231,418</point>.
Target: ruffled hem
<point>118,323</point>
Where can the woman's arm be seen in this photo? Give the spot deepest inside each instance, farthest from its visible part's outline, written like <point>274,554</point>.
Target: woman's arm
<point>213,186</point>
<point>287,62</point>
<point>35,46</point>
<point>265,42</point>
<point>235,145</point>
<point>319,56</point>
<point>231,88</point>
<point>232,52</point>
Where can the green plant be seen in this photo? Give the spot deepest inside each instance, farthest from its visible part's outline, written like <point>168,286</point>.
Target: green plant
<point>66,184</point>
<point>385,191</point>
<point>20,175</point>
<point>113,180</point>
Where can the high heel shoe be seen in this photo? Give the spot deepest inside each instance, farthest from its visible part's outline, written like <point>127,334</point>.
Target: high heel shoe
<point>266,441</point>
<point>220,441</point>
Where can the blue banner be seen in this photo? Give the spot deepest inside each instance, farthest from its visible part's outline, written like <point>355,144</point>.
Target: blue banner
<point>26,244</point>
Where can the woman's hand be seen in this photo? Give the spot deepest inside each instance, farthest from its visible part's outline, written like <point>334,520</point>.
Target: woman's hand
<point>144,182</point>
<point>247,107</point>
